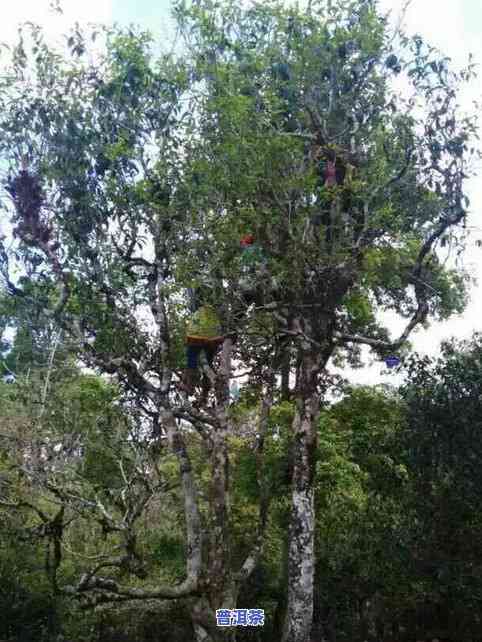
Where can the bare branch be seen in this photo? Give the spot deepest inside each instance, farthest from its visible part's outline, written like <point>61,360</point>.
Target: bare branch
<point>254,555</point>
<point>185,589</point>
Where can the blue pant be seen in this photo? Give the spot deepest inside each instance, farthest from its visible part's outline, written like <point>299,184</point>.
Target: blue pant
<point>193,353</point>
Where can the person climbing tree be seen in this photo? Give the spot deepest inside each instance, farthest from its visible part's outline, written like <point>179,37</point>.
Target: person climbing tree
<point>330,172</point>
<point>203,334</point>
<point>335,170</point>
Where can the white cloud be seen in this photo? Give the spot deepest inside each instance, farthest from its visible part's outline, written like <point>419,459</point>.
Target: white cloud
<point>39,12</point>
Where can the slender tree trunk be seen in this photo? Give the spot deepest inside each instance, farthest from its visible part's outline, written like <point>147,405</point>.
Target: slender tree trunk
<point>219,544</point>
<point>299,615</point>
<point>219,582</point>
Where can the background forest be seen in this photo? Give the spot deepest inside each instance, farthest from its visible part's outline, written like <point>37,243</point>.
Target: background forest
<point>194,247</point>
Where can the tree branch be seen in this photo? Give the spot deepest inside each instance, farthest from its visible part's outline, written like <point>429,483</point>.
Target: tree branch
<point>185,589</point>
<point>254,555</point>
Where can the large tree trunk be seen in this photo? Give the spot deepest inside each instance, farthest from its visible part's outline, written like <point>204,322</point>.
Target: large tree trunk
<point>221,582</point>
<point>299,615</point>
<point>218,581</point>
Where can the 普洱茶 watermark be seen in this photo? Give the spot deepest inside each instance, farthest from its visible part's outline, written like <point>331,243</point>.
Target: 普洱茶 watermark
<point>240,617</point>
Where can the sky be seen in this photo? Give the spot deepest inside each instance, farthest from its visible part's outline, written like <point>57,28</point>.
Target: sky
<point>455,26</point>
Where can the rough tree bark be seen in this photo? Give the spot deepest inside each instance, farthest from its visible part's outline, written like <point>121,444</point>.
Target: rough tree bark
<point>299,613</point>
<point>220,583</point>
